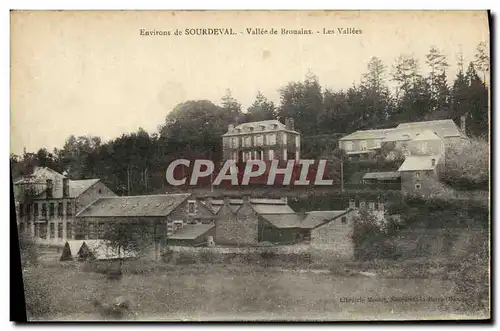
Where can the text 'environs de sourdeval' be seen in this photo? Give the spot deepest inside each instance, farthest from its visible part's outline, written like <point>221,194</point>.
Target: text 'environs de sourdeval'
<point>250,31</point>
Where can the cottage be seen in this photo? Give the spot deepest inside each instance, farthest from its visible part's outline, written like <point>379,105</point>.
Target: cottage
<point>250,221</point>
<point>419,174</point>
<point>48,201</point>
<point>331,231</point>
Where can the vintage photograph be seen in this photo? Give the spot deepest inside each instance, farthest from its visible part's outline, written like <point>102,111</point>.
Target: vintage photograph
<point>251,165</point>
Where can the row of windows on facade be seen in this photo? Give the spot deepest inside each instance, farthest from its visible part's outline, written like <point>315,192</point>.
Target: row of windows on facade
<point>41,230</point>
<point>258,155</point>
<point>251,128</point>
<point>363,204</point>
<point>363,146</point>
<point>258,140</point>
<point>25,209</point>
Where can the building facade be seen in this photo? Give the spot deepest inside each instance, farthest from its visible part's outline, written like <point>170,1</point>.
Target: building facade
<point>150,219</point>
<point>420,174</point>
<point>48,201</point>
<point>264,140</point>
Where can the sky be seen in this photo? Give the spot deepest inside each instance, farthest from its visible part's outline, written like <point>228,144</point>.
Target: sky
<point>93,73</point>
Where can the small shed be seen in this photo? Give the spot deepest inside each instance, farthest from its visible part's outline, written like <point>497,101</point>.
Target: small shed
<point>70,250</point>
<point>382,177</point>
<point>192,235</point>
<point>280,228</point>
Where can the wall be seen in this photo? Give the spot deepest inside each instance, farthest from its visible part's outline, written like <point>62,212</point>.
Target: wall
<point>335,236</point>
<point>356,143</point>
<point>427,180</point>
<point>267,232</point>
<point>93,193</point>
<point>239,229</point>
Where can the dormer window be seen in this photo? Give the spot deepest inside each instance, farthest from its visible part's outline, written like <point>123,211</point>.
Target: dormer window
<point>275,126</point>
<point>262,127</point>
<point>251,129</point>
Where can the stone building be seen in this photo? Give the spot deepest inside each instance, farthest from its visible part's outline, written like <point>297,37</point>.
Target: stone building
<point>264,140</point>
<point>154,218</point>
<point>331,231</point>
<point>420,174</point>
<point>48,201</point>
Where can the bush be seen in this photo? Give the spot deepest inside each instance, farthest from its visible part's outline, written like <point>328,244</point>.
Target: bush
<point>29,254</point>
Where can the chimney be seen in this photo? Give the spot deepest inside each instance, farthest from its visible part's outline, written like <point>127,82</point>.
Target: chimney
<point>289,123</point>
<point>65,187</point>
<point>462,124</point>
<point>50,188</point>
<point>292,124</point>
<point>230,127</point>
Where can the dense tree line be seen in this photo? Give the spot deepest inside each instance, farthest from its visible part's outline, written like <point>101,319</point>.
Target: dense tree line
<point>135,162</point>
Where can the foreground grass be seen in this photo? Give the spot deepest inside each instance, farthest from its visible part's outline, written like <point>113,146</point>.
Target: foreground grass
<point>238,291</point>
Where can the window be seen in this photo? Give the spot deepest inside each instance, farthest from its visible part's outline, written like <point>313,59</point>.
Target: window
<point>69,230</point>
<point>423,146</point>
<point>37,230</point>
<point>51,209</point>
<point>100,191</point>
<point>44,209</point>
<point>297,141</point>
<point>35,211</point>
<point>417,186</point>
<point>91,231</point>
<point>361,204</point>
<point>191,207</point>
<point>271,154</point>
<point>234,142</point>
<point>271,139</point>
<point>21,227</point>
<point>235,156</point>
<point>417,174</point>
<point>100,230</point>
<point>59,230</point>
<point>248,141</point>
<point>284,138</point>
<point>344,220</point>
<point>363,145</point>
<point>285,154</point>
<point>28,211</point>
<point>259,140</point>
<point>69,209</point>
<point>60,209</point>
<point>348,145</point>
<point>371,205</point>
<point>52,233</point>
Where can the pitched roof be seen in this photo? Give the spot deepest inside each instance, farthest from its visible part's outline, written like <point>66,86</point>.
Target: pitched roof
<point>191,231</point>
<point>314,219</point>
<point>443,128</point>
<point>235,204</point>
<point>368,134</point>
<point>283,221</point>
<point>398,135</point>
<point>260,126</point>
<point>423,162</point>
<point>272,209</point>
<point>141,205</point>
<point>426,135</point>
<point>388,175</point>
<point>41,174</point>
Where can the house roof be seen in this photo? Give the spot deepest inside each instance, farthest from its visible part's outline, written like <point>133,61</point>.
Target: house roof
<point>382,175</point>
<point>41,174</point>
<point>191,231</point>
<point>283,221</point>
<point>368,134</point>
<point>101,250</point>
<point>261,126</point>
<point>314,219</point>
<point>133,206</point>
<point>415,163</point>
<point>398,135</point>
<point>443,128</point>
<point>426,135</point>
<point>235,204</point>
<point>273,209</point>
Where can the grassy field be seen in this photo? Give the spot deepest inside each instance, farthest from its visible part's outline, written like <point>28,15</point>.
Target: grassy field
<point>244,292</point>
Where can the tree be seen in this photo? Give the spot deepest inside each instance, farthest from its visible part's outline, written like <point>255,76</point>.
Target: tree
<point>302,101</point>
<point>231,107</point>
<point>262,109</point>
<point>477,103</point>
<point>437,79</point>
<point>375,91</point>
<point>482,59</point>
<point>459,99</point>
